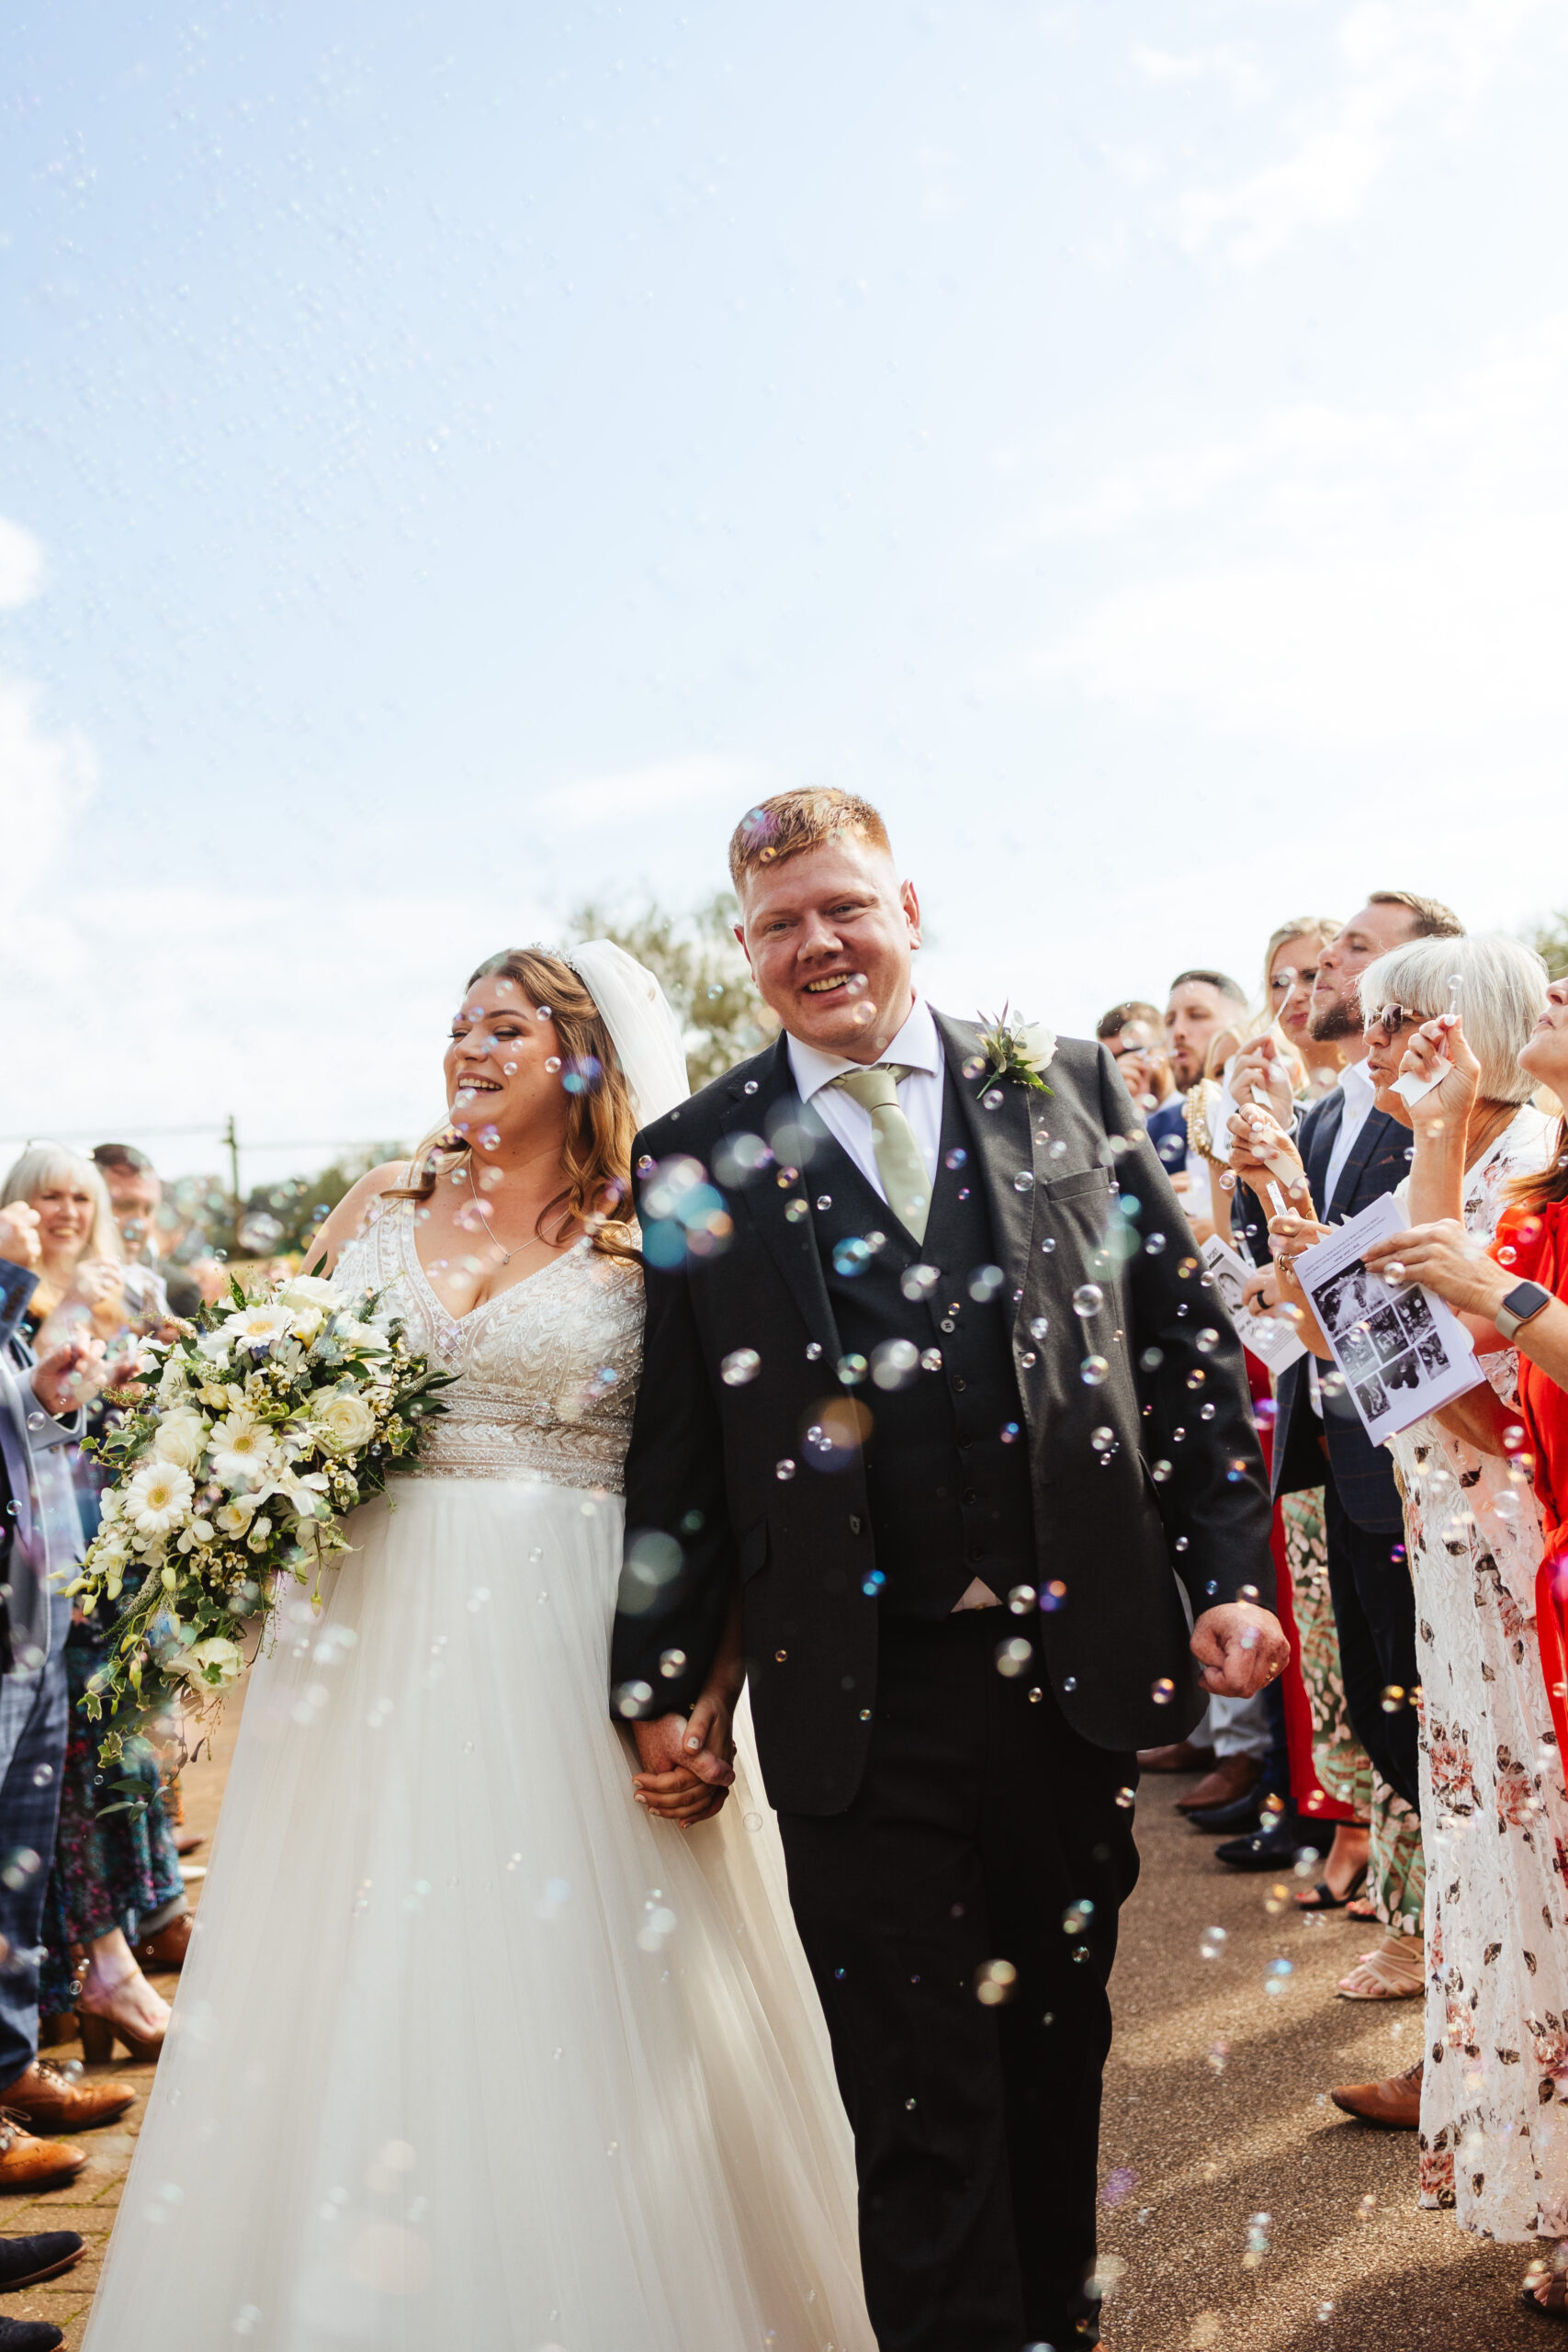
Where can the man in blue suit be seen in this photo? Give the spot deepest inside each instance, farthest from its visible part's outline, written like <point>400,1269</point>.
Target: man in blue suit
<point>1354,1153</point>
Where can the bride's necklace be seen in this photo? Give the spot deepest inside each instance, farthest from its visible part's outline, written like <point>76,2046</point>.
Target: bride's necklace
<point>506,1255</point>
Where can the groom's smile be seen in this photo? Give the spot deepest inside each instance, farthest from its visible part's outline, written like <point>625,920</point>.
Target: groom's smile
<point>829,932</point>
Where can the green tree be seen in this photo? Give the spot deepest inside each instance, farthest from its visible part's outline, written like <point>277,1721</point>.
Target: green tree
<point>1550,940</point>
<point>694,958</point>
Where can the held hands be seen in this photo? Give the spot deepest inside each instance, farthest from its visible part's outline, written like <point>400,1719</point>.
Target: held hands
<point>1445,1259</point>
<point>686,1771</point>
<point>1240,1647</point>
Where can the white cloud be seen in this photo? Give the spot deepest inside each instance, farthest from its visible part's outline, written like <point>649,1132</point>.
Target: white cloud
<point>22,564</point>
<point>1401,61</point>
<point>1372,578</point>
<point>649,791</point>
<point>45,781</point>
<point>1246,80</point>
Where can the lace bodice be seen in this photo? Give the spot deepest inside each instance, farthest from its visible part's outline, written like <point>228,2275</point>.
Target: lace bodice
<point>547,1373</point>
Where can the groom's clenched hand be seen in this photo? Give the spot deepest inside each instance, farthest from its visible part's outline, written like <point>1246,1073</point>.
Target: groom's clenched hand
<point>1240,1647</point>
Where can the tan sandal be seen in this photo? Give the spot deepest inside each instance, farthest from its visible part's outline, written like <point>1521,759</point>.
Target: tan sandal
<point>1396,1971</point>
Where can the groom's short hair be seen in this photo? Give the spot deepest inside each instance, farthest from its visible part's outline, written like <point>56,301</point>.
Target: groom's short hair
<point>793,822</point>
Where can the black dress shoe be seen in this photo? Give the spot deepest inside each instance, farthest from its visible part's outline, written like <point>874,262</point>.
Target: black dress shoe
<point>1276,1847</point>
<point>1241,1813</point>
<point>28,2335</point>
<point>25,2261</point>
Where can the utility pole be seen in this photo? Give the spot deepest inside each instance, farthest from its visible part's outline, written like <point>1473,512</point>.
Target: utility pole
<point>231,1139</point>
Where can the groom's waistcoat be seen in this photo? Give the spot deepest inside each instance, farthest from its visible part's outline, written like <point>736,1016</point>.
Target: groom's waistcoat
<point>946,1461</point>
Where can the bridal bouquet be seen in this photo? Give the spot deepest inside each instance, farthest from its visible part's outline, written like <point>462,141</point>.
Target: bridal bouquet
<point>260,1423</point>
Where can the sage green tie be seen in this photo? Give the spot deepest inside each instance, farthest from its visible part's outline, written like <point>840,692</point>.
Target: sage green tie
<point>905,1184</point>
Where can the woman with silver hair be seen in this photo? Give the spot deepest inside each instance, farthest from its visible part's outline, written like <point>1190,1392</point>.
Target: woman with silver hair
<point>1494,1810</point>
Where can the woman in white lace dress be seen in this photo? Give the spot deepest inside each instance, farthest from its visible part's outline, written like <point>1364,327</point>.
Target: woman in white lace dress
<point>1493,1809</point>
<point>470,2051</point>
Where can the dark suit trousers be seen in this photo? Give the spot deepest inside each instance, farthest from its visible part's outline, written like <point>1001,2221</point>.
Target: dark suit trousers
<point>983,1819</point>
<point>1374,1614</point>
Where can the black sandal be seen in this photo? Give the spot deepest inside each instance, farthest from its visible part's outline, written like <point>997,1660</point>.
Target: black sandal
<point>1324,1899</point>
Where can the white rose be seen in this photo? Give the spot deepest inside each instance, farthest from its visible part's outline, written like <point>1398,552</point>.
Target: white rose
<point>344,1423</point>
<point>1039,1047</point>
<point>172,1381</point>
<point>180,1439</point>
<point>234,1517</point>
<point>361,1335</point>
<point>308,1289</point>
<point>214,1661</point>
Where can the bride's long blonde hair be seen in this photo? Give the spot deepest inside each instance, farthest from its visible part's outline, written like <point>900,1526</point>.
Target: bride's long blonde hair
<point>596,1156</point>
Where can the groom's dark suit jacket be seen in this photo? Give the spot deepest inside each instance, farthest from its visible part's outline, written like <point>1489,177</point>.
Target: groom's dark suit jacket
<point>1155,1525</point>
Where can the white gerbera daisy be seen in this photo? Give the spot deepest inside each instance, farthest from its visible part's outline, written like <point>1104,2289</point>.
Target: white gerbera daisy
<point>243,1448</point>
<point>158,1498</point>
<point>257,1326</point>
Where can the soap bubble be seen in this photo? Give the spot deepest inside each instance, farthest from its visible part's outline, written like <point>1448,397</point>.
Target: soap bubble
<point>1087,1299</point>
<point>1163,1691</point>
<point>1094,1372</point>
<point>994,1983</point>
<point>741,1364</point>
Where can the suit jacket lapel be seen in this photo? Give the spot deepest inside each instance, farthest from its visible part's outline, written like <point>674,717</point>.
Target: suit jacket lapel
<point>1004,1145</point>
<point>791,1241</point>
<point>1378,1134</point>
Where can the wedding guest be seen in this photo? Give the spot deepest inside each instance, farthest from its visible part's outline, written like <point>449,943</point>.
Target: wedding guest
<point>1491,1820</point>
<point>1516,1296</point>
<point>40,1536</point>
<point>116,1879</point>
<point>1290,967</point>
<point>1346,1153</point>
<point>1133,1035</point>
<point>135,1196</point>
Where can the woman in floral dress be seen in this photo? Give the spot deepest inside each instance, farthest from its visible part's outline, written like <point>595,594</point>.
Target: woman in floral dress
<point>1493,2141</point>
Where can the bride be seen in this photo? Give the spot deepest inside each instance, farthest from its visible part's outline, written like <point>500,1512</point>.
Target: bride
<point>470,2051</point>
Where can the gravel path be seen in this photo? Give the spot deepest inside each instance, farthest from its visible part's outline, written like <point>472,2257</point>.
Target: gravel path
<point>1216,2110</point>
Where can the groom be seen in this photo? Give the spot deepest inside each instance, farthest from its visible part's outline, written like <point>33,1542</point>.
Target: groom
<point>932,1383</point>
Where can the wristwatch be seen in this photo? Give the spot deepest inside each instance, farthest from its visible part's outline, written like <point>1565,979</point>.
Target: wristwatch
<point>1523,1301</point>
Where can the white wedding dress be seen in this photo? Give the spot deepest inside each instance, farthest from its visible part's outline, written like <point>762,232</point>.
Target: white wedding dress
<point>469,2055</point>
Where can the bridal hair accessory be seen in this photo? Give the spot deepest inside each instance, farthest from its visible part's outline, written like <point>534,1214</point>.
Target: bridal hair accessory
<point>1019,1049</point>
<point>641,1020</point>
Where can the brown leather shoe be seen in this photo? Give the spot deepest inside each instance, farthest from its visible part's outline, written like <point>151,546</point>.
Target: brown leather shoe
<point>48,2099</point>
<point>1180,1758</point>
<point>32,2165</point>
<point>1395,2105</point>
<point>1232,1778</point>
<point>168,1947</point>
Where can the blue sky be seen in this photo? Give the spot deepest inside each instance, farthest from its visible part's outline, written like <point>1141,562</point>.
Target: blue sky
<point>457,459</point>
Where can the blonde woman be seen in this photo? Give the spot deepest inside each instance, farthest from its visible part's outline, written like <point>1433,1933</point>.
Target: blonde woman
<point>116,1886</point>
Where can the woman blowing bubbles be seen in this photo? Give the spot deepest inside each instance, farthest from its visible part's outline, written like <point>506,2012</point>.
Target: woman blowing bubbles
<point>1488,1169</point>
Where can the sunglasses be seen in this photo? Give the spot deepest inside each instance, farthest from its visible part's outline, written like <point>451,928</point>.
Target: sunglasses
<point>1395,1017</point>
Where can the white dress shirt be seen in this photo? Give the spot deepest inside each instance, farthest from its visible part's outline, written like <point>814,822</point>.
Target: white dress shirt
<point>1356,1088</point>
<point>919,1046</point>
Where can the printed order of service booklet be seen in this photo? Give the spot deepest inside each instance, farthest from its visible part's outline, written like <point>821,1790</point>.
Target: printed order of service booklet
<point>1402,1354</point>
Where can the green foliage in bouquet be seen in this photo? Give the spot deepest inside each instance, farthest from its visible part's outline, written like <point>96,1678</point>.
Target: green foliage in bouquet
<point>259,1425</point>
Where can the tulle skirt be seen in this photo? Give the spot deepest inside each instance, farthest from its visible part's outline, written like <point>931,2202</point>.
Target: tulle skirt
<point>469,2052</point>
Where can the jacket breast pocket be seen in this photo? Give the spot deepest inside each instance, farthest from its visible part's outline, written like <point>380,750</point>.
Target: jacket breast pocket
<point>753,1551</point>
<point>1081,1186</point>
